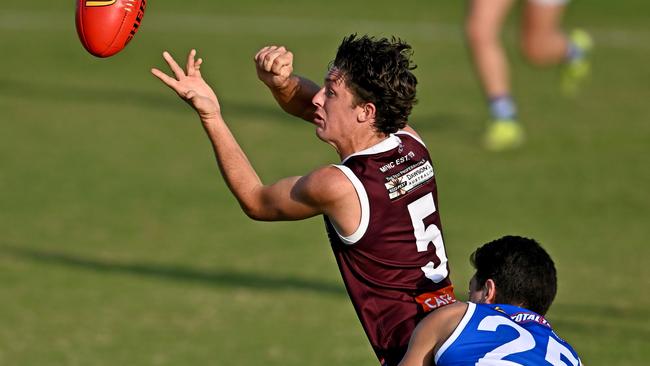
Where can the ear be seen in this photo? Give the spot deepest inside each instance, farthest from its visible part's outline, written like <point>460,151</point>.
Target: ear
<point>367,112</point>
<point>490,291</point>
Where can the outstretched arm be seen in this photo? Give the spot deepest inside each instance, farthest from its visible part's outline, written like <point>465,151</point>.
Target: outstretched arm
<point>290,198</point>
<point>293,93</point>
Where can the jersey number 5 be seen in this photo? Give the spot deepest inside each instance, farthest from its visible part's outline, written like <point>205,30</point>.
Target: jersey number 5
<point>419,210</point>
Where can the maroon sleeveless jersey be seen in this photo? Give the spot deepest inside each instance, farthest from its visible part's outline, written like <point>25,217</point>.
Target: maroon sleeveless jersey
<point>394,266</point>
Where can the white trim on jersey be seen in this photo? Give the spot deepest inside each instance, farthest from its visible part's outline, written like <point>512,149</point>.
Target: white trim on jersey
<point>365,207</point>
<point>387,144</point>
<point>459,329</point>
<point>402,132</point>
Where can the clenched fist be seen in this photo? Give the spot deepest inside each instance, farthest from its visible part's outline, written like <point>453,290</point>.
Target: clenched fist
<point>274,66</point>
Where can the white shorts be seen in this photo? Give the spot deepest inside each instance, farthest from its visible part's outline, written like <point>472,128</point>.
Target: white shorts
<point>549,2</point>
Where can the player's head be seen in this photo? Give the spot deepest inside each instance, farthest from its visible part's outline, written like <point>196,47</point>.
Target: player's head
<point>514,270</point>
<point>378,73</point>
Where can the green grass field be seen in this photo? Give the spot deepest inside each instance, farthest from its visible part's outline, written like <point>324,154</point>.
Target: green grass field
<point>121,245</point>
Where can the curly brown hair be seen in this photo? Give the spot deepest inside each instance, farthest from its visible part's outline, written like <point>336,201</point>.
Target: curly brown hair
<point>378,71</point>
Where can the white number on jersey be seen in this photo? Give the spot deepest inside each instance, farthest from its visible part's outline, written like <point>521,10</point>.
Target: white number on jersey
<point>555,349</point>
<point>419,210</point>
<point>523,343</point>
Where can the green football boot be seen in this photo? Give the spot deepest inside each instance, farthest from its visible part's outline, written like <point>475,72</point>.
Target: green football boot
<point>503,135</point>
<point>575,72</point>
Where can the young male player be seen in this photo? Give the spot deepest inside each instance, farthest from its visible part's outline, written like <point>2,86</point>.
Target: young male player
<point>379,203</point>
<point>542,42</point>
<point>503,324</point>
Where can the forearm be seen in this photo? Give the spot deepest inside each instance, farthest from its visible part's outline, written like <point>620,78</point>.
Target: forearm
<point>237,171</point>
<point>274,202</point>
<point>295,97</point>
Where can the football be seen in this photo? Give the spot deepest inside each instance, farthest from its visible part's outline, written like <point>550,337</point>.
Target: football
<point>105,27</point>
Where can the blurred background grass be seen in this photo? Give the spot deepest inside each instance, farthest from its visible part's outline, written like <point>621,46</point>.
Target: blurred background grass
<point>120,244</point>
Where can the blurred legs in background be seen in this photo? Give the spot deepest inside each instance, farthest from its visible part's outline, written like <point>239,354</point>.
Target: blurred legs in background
<point>542,42</point>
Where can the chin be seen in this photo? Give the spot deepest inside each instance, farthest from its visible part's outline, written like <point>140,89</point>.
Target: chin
<point>320,133</point>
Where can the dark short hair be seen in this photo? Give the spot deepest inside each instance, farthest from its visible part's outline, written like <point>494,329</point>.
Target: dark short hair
<point>379,71</point>
<point>523,273</point>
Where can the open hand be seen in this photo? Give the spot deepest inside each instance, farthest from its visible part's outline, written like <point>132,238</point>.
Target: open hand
<point>190,86</point>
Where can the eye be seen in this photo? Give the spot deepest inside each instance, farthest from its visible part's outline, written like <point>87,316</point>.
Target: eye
<point>329,92</point>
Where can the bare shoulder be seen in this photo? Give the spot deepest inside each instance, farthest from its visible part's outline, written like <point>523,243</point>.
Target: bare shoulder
<point>324,185</point>
<point>445,318</point>
<point>440,323</point>
<point>431,333</point>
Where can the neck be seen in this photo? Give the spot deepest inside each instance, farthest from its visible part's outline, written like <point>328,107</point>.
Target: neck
<point>354,144</point>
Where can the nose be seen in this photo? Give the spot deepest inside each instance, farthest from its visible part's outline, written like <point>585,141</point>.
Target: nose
<point>318,99</point>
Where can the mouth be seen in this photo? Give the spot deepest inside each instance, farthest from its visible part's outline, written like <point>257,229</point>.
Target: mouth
<point>318,119</point>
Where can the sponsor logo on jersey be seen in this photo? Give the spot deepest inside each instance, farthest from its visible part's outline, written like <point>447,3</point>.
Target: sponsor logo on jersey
<point>433,300</point>
<point>409,179</point>
<point>397,162</point>
<point>94,3</point>
<point>529,317</point>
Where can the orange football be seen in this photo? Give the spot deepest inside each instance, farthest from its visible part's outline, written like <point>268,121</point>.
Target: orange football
<point>105,27</point>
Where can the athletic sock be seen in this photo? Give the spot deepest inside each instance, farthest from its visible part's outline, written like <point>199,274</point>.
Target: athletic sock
<point>503,108</point>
